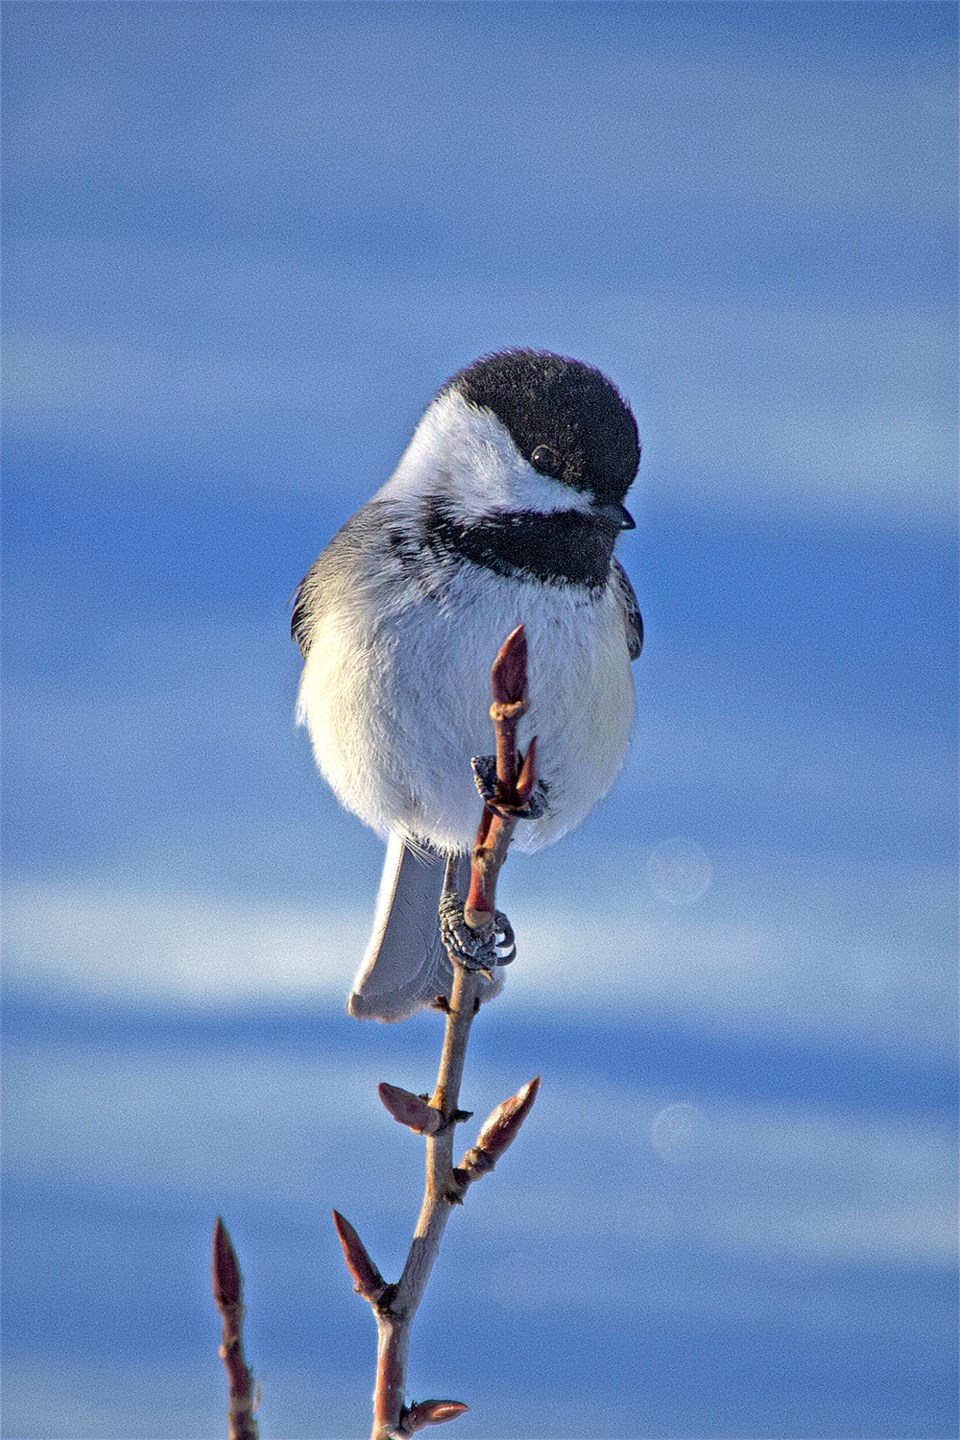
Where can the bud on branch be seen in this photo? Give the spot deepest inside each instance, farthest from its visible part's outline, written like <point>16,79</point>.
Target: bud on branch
<point>508,675</point>
<point>227,1285</point>
<point>410,1110</point>
<point>515,780</point>
<point>508,682</point>
<point>429,1412</point>
<point>367,1280</point>
<point>225,1275</point>
<point>498,1133</point>
<point>527,778</point>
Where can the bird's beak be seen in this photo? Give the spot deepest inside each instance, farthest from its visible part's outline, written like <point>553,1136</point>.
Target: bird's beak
<point>617,515</point>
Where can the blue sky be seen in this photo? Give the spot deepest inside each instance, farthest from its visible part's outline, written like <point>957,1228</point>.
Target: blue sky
<point>243,245</point>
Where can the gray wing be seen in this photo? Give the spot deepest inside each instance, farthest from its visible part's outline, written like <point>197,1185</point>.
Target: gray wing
<point>334,572</point>
<point>301,621</point>
<point>632,619</point>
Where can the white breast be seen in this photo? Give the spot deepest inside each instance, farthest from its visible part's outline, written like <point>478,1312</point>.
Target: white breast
<point>396,697</point>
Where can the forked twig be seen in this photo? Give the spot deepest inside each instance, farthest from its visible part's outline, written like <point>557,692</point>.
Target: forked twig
<point>394,1305</point>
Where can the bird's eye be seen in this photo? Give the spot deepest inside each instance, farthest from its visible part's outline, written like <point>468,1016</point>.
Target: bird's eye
<point>545,460</point>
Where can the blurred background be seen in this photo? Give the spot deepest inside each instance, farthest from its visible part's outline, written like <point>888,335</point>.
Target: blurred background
<point>243,246</point>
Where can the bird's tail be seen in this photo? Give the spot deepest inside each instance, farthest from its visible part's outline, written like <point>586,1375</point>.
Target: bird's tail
<point>406,966</point>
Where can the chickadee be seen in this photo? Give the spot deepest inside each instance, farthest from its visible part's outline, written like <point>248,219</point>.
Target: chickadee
<point>504,508</point>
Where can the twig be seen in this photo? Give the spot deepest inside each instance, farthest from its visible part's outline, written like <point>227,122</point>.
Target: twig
<point>516,779</point>
<point>227,1284</point>
<point>394,1306</point>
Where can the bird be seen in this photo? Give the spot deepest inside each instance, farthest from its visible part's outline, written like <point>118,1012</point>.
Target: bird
<point>504,509</point>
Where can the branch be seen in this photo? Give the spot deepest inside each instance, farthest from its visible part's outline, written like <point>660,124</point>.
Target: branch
<point>227,1284</point>
<point>395,1306</point>
<point>516,778</point>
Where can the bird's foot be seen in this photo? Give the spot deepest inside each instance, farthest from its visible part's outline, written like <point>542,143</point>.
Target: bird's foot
<point>484,769</point>
<point>475,949</point>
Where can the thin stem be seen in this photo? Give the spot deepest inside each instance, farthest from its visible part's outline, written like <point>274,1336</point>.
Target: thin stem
<point>396,1306</point>
<point>440,1195</point>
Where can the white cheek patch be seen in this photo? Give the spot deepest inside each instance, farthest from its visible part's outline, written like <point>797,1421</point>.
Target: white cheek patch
<point>465,455</point>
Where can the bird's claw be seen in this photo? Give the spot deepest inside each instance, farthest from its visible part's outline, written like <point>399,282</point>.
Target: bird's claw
<point>504,938</point>
<point>476,949</point>
<point>484,769</point>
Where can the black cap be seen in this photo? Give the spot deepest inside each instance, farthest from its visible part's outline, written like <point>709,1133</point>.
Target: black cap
<point>564,417</point>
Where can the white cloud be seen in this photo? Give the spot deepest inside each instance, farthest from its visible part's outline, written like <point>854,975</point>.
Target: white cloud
<point>198,951</point>
<point>786,970</point>
<point>748,751</point>
<point>752,1182</point>
<point>815,406</point>
<point>811,406</point>
<point>767,962</point>
<point>164,1120</point>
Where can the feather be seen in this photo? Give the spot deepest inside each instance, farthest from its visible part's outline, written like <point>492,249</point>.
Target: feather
<point>406,966</point>
<point>632,619</point>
